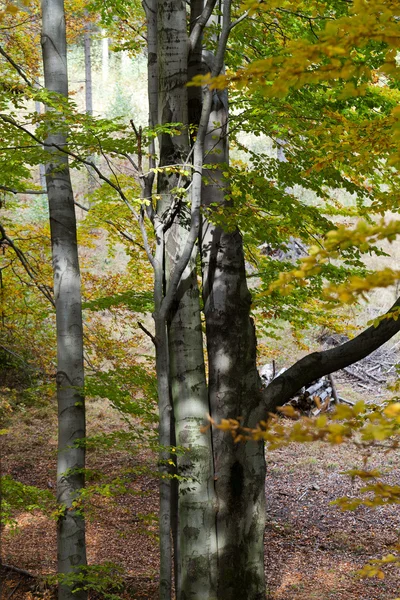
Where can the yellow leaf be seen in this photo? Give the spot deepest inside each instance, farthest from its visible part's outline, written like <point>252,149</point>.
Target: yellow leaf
<point>393,410</point>
<point>288,411</point>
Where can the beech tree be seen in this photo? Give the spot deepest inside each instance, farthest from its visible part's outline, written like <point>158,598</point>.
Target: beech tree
<point>67,296</point>
<point>197,212</point>
<point>229,561</point>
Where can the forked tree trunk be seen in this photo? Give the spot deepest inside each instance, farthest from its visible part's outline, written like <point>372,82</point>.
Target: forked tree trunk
<point>234,383</point>
<point>234,388</point>
<point>67,293</point>
<point>195,554</point>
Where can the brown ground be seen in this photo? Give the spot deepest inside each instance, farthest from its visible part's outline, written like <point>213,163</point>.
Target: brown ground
<point>312,549</point>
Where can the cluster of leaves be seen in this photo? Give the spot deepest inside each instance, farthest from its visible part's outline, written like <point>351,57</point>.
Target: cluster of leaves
<point>105,579</point>
<point>16,496</point>
<point>362,238</point>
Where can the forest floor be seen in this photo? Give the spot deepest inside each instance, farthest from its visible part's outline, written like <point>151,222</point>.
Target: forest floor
<point>312,549</point>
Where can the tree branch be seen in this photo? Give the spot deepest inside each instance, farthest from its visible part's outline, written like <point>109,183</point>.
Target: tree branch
<point>147,332</point>
<point>318,364</point>
<point>16,67</point>
<point>43,288</point>
<point>4,188</point>
<point>201,23</point>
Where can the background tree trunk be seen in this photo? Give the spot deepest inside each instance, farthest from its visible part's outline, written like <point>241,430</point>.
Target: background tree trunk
<point>67,293</point>
<point>87,46</point>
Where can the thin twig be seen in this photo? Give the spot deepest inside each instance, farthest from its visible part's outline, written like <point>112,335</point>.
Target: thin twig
<point>13,590</point>
<point>147,332</point>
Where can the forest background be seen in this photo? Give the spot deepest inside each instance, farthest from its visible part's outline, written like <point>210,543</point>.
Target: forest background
<point>324,182</point>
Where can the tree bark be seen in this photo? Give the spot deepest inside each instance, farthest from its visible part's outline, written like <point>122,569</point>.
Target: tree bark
<point>164,410</point>
<point>234,383</point>
<point>234,390</point>
<point>195,540</point>
<point>67,293</point>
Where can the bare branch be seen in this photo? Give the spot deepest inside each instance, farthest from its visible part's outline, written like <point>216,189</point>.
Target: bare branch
<point>239,19</point>
<point>318,364</point>
<point>147,332</point>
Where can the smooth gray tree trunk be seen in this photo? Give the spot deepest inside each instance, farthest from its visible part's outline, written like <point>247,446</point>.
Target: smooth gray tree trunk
<point>234,389</point>
<point>220,523</point>
<point>67,293</point>
<point>195,552</point>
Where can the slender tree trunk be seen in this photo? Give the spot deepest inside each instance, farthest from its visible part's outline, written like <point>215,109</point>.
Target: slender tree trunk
<point>196,542</point>
<point>164,410</point>
<point>67,293</point>
<point>87,45</point>
<point>162,353</point>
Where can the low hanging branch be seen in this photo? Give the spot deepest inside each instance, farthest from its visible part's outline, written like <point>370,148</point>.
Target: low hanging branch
<point>4,188</point>
<point>318,364</point>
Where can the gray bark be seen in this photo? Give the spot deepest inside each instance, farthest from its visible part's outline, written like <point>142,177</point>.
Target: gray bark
<point>67,293</point>
<point>195,541</point>
<point>162,354</point>
<point>164,410</point>
<point>234,383</point>
<point>234,390</point>
<point>235,537</point>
